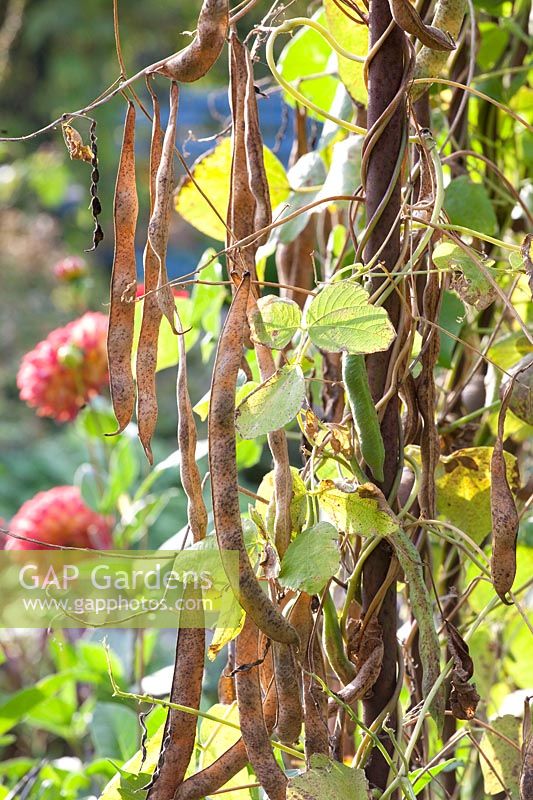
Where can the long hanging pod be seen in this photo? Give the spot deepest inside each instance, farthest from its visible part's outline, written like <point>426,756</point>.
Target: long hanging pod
<point>151,317</point>
<point>123,280</point>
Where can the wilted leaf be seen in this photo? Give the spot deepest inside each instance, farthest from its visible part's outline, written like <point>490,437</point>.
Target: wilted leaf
<point>502,759</point>
<point>273,404</point>
<point>212,173</point>
<point>311,559</point>
<point>463,696</point>
<point>340,318</point>
<point>274,321</point>
<point>353,38</point>
<point>468,280</point>
<point>355,510</point>
<point>328,780</point>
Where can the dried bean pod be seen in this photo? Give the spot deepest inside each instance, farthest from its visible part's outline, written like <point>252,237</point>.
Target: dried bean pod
<point>180,727</point>
<point>255,158</point>
<point>198,57</point>
<point>409,20</point>
<point>286,673</point>
<point>159,225</point>
<point>448,17</point>
<point>253,727</point>
<point>187,438</point>
<point>123,280</point>
<point>151,317</point>
<point>223,469</point>
<point>505,520</point>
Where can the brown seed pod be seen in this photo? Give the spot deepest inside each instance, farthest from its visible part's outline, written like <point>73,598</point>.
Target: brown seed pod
<point>315,703</point>
<point>198,57</point>
<point>448,17</point>
<point>526,772</point>
<point>123,280</point>
<point>223,470</point>
<point>505,520</point>
<point>409,20</point>
<point>242,204</point>
<point>151,317</point>
<point>159,225</point>
<point>187,438</point>
<point>254,156</point>
<point>286,673</point>
<point>96,206</point>
<point>216,775</point>
<point>253,727</point>
<point>180,727</point>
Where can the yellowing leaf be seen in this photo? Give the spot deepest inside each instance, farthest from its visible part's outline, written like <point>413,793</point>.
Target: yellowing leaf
<point>353,38</point>
<point>274,321</point>
<point>215,738</point>
<point>501,759</point>
<point>328,780</point>
<point>355,510</point>
<point>212,173</point>
<point>463,488</point>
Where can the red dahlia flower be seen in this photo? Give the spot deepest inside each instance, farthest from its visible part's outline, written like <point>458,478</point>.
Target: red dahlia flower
<point>61,517</point>
<point>65,370</point>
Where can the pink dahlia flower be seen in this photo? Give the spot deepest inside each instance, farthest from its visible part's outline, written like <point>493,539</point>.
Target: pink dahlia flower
<point>60,517</point>
<point>70,268</point>
<point>65,370</point>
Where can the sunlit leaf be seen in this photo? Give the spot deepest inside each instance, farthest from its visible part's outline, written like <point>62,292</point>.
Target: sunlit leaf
<point>353,38</point>
<point>463,488</point>
<point>355,509</point>
<point>215,738</point>
<point>308,54</point>
<point>273,404</point>
<point>274,321</point>
<point>298,506</point>
<point>500,759</point>
<point>212,173</point>
<point>340,318</point>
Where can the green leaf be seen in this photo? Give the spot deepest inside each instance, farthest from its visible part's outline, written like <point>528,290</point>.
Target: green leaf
<point>328,780</point>
<point>420,778</point>
<point>308,54</point>
<point>344,169</point>
<point>212,172</point>
<point>131,768</point>
<point>114,730</point>
<point>467,280</point>
<point>451,319</point>
<point>20,704</point>
<point>207,301</point>
<point>340,318</point>
<point>273,404</point>
<point>167,343</point>
<point>501,759</point>
<point>311,559</point>
<point>355,510</point>
<point>468,204</point>
<point>274,321</point>
<point>353,38</point>
<point>123,470</point>
<point>298,505</point>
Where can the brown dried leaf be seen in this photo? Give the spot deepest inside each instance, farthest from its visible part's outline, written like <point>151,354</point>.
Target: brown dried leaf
<point>463,696</point>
